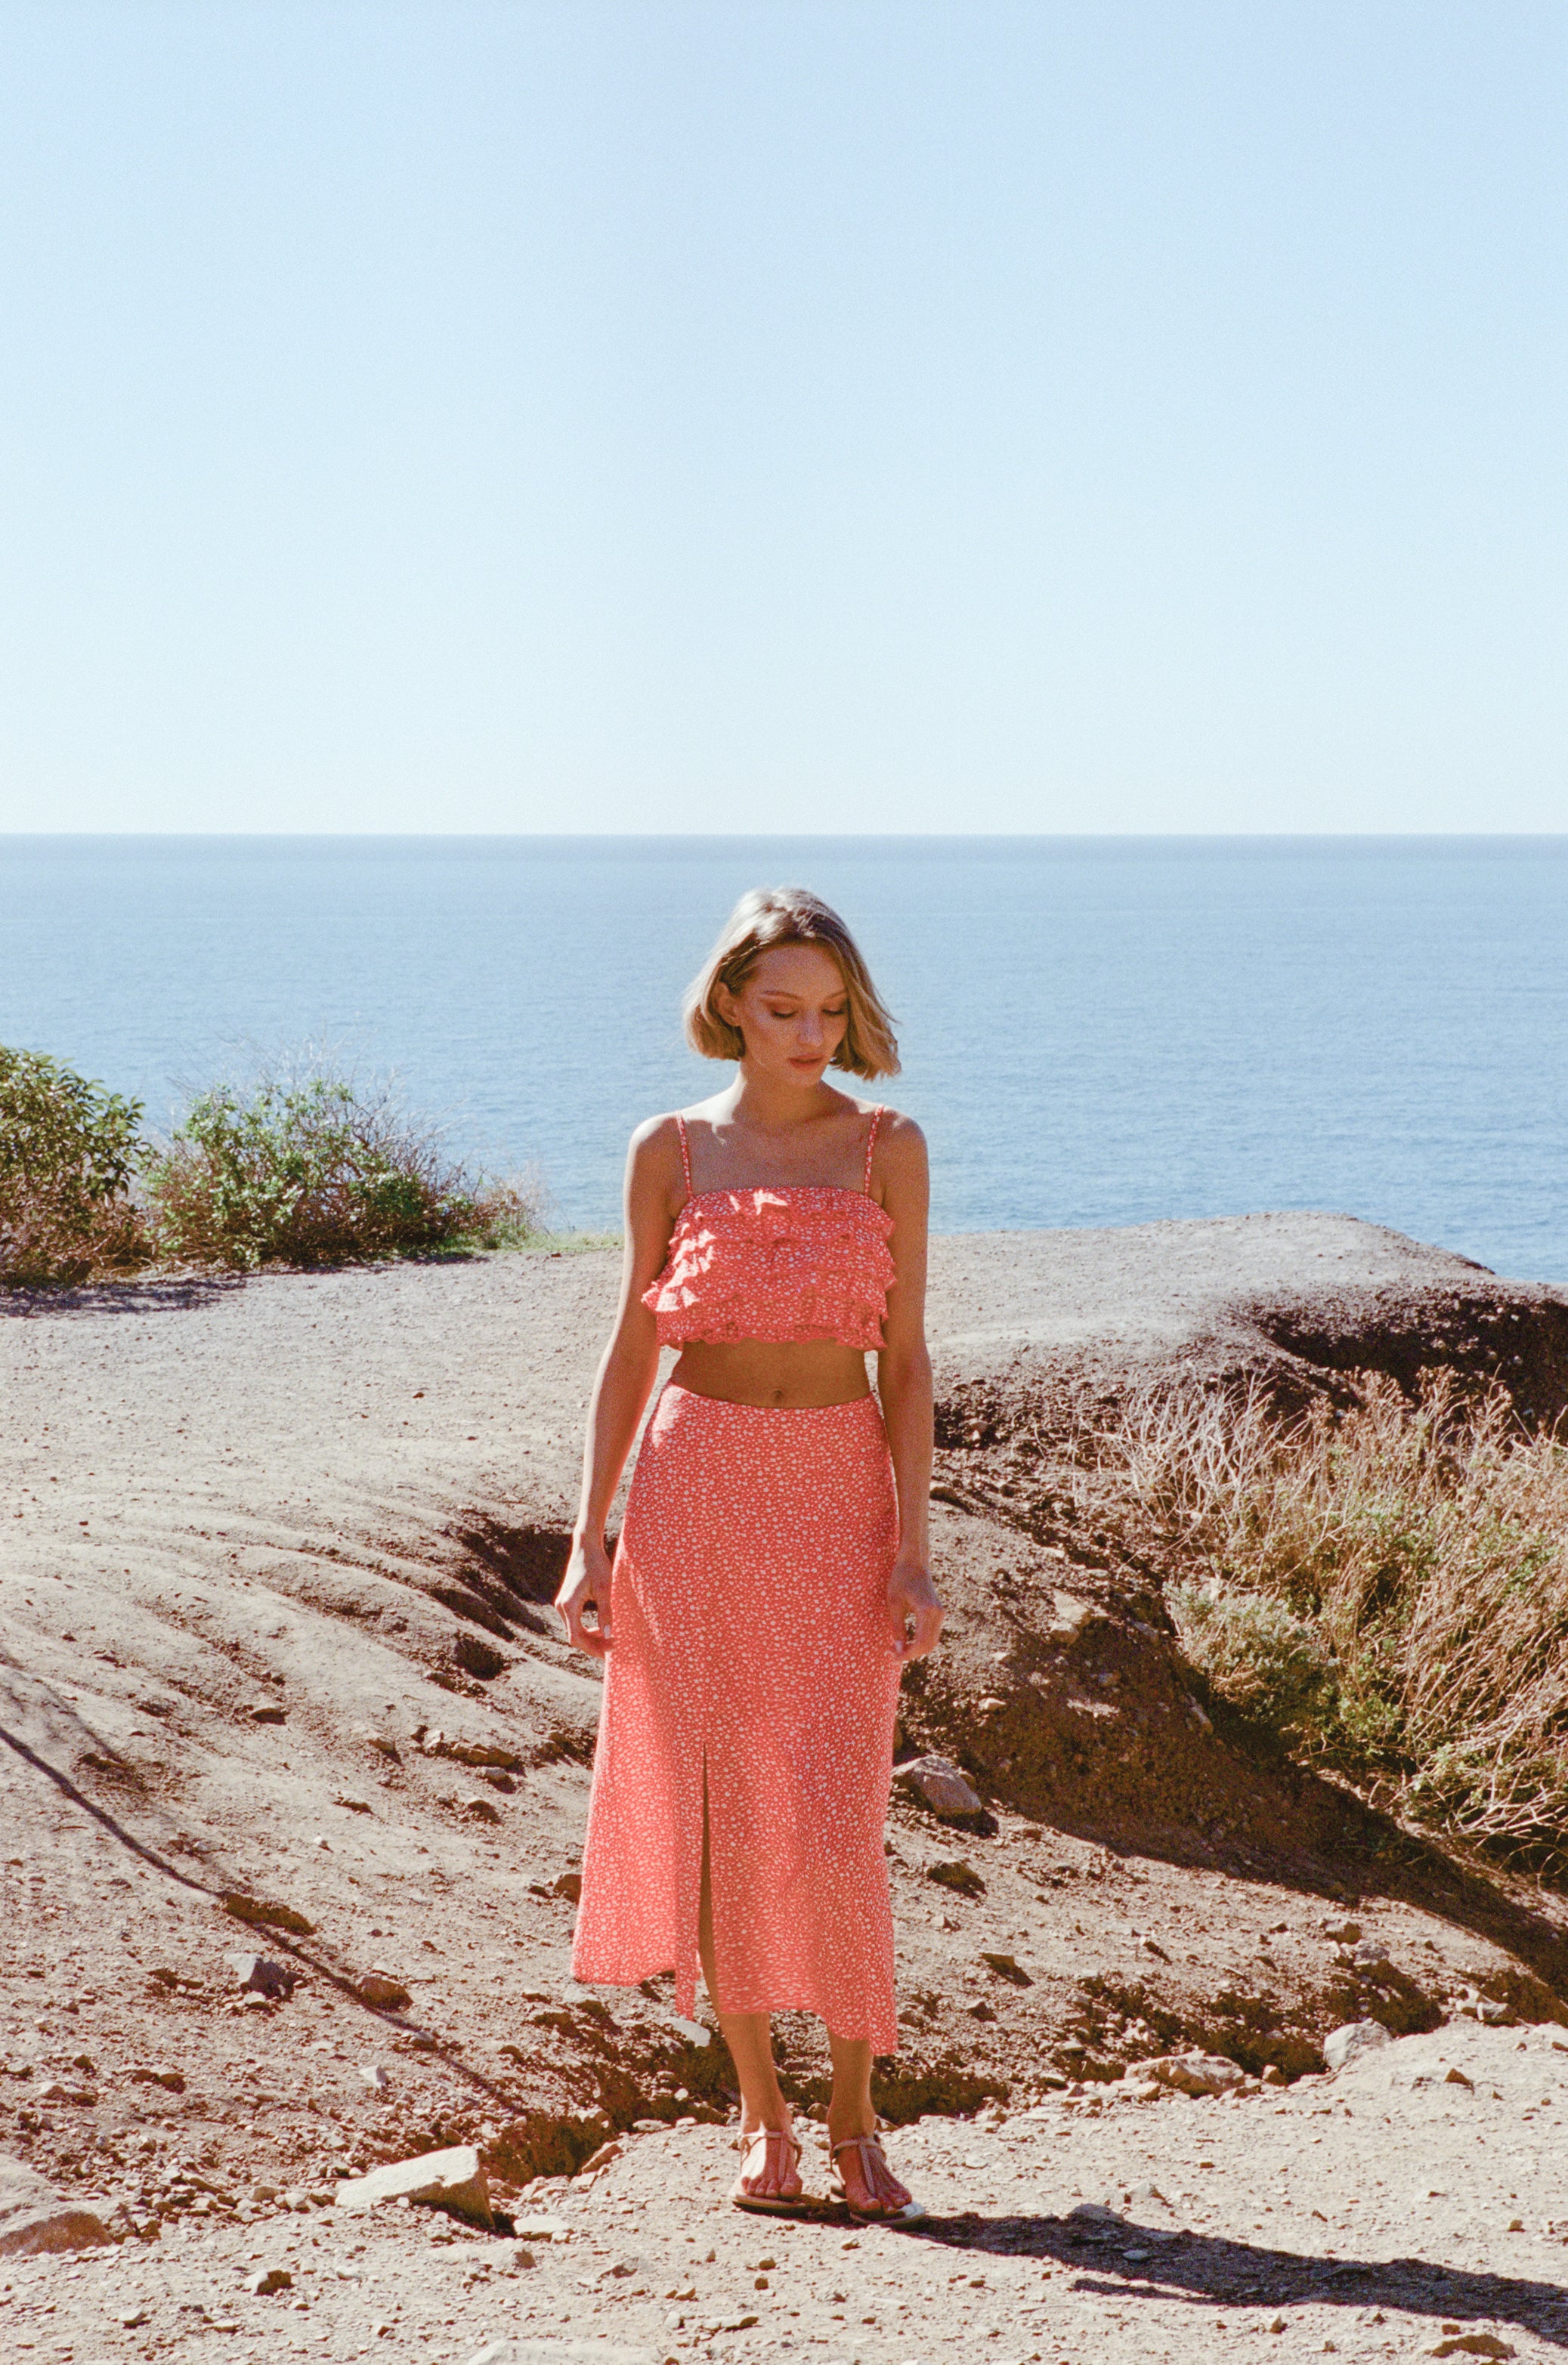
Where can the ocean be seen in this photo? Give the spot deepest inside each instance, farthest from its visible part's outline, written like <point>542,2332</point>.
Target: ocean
<point>1094,1030</point>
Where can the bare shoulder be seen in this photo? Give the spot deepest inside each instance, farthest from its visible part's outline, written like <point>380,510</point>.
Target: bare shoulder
<point>654,1151</point>
<point>900,1154</point>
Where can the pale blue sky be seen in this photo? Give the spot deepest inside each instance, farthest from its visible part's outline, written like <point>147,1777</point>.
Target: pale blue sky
<point>784,417</point>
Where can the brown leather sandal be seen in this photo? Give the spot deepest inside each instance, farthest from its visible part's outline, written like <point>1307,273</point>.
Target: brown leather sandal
<point>869,2147</point>
<point>757,2155</point>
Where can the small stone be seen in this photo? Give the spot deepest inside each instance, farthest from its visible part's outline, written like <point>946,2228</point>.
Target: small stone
<point>1492,2015</point>
<point>1458,2078</point>
<point>354,1806</point>
<point>1337,1926</point>
<point>171,2080</point>
<point>34,2217</point>
<point>568,1885</point>
<point>374,2076</point>
<point>940,1787</point>
<point>268,1712</point>
<point>1069,1618</point>
<point>602,2157</point>
<point>1343,2045</point>
<point>452,2180</point>
<point>1194,2073</point>
<point>541,2229</point>
<point>1007,1968</point>
<point>1471,2344</point>
<point>1369,1954</point>
<point>1275,2324</point>
<point>382,1991</point>
<point>480,1810</point>
<point>258,1911</point>
<point>270,2279</point>
<point>957,1874</point>
<point>1274,2075</point>
<point>266,1977</point>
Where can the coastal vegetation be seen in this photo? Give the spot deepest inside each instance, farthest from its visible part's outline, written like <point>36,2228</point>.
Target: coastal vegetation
<point>300,1165</point>
<point>1383,1583</point>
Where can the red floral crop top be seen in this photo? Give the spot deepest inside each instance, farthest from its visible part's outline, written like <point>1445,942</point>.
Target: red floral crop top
<point>779,1260</point>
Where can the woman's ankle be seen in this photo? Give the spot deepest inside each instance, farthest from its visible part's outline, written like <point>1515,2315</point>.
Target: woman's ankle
<point>846,2120</point>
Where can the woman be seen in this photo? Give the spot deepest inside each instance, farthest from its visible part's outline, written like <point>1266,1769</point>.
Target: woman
<point>770,1580</point>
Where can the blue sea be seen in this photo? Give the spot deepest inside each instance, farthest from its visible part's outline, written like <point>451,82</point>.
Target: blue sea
<point>1094,1031</point>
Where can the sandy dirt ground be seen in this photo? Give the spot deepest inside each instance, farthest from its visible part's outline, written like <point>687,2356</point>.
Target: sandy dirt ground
<point>277,1675</point>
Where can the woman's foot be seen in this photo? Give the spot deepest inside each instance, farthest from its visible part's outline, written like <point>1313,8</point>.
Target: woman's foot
<point>770,2180</point>
<point>866,2185</point>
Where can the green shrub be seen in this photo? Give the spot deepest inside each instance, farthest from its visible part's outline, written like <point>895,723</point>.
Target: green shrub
<point>1258,1654</point>
<point>68,1152</point>
<point>310,1169</point>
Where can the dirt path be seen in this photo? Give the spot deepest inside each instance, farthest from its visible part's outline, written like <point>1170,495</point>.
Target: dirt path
<point>1367,2216</point>
<point>273,1565</point>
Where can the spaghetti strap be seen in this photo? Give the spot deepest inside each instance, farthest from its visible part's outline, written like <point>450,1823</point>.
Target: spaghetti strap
<point>686,1154</point>
<point>870,1145</point>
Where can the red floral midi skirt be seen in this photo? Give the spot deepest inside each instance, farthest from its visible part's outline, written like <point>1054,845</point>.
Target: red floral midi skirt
<point>753,1661</point>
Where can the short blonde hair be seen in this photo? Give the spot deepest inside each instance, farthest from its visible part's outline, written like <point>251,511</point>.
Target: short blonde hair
<point>767,916</point>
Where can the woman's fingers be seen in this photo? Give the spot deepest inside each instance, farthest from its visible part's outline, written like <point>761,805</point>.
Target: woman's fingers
<point>914,1613</point>
<point>584,1590</point>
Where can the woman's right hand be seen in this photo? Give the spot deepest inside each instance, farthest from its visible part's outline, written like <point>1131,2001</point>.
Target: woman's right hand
<point>585,1586</point>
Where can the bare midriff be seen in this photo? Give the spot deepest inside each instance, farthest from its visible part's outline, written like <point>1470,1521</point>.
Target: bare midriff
<point>794,1375</point>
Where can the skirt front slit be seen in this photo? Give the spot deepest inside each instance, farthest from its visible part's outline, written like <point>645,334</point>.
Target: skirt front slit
<point>752,1663</point>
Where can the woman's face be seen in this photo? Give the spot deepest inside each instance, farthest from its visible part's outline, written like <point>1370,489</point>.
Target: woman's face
<point>793,1012</point>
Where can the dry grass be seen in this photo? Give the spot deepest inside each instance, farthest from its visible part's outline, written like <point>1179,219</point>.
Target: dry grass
<point>1387,1586</point>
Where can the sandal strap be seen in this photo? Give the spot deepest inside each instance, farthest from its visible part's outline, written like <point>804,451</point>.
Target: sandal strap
<point>764,2136</point>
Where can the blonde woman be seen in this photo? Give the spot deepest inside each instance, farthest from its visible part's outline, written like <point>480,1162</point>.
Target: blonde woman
<point>771,1577</point>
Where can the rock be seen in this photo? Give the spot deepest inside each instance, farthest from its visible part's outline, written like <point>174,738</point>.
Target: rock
<point>1194,2073</point>
<point>601,2158</point>
<point>478,1657</point>
<point>375,2078</point>
<point>1343,2045</point>
<point>450,2179</point>
<point>1336,1926</point>
<point>691,2030</point>
<point>1007,1968</point>
<point>268,1712</point>
<point>940,1787</point>
<point>957,1874</point>
<point>34,2217</point>
<point>1471,2344</point>
<point>57,2092</point>
<point>270,2279</point>
<point>1369,1954</point>
<point>484,1753</point>
<point>382,1991</point>
<point>354,1806</point>
<point>1458,2078</point>
<point>1492,2015</point>
<point>1069,1618</point>
<point>479,1810</point>
<point>266,1916</point>
<point>541,2229</point>
<point>568,1885</point>
<point>171,2080</point>
<point>266,1977</point>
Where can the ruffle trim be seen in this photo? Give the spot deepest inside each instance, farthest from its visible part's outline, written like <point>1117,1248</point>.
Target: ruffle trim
<point>811,1263</point>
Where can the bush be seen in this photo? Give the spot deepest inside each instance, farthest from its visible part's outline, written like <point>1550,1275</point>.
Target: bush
<point>1387,1584</point>
<point>310,1169</point>
<point>68,1152</point>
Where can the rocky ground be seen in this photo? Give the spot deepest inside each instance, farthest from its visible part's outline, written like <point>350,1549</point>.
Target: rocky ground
<point>1401,2209</point>
<point>276,1677</point>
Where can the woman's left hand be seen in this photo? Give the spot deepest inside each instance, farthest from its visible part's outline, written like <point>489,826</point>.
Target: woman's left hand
<point>912,1604</point>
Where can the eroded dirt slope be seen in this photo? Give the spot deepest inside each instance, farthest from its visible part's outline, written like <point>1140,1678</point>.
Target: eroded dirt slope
<point>272,1562</point>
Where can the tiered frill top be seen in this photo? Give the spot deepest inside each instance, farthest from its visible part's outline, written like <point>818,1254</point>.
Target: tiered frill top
<point>779,1262</point>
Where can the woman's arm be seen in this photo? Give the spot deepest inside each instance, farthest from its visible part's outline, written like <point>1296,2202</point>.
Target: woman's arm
<point>904,1382</point>
<point>627,1371</point>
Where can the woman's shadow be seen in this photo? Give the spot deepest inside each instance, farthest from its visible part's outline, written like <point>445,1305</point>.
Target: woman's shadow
<point>1119,2259</point>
